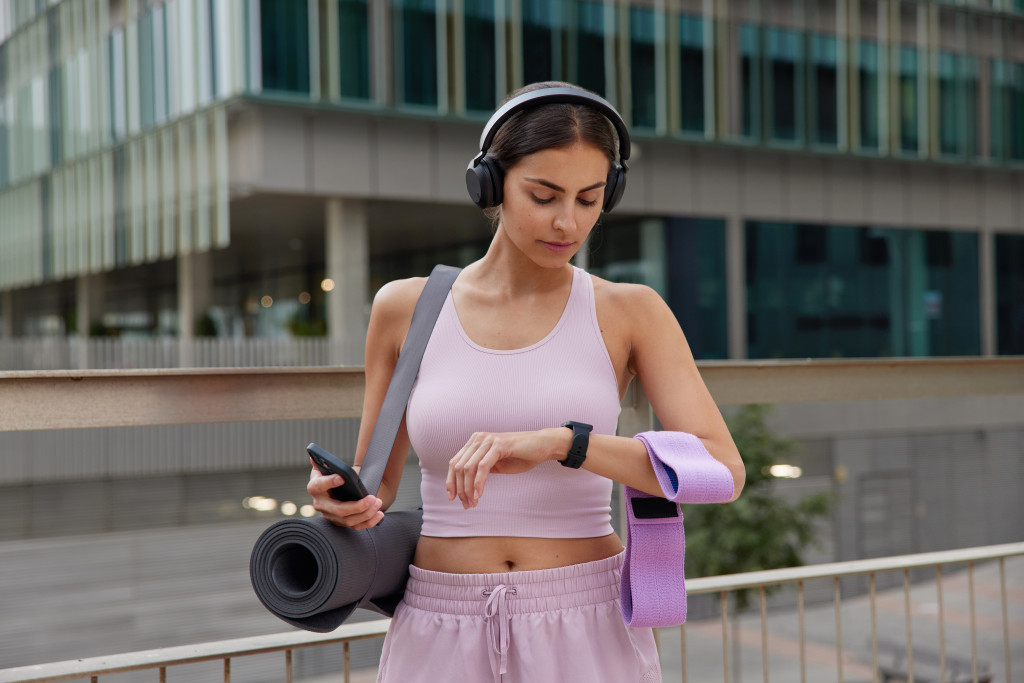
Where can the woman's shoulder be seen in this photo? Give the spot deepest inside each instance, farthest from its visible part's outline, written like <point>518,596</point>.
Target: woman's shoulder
<point>627,300</point>
<point>399,294</point>
<point>391,313</point>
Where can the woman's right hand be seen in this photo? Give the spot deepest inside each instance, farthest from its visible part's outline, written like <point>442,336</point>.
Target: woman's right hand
<point>358,514</point>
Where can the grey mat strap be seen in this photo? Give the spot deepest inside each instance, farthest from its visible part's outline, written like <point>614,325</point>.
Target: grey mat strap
<point>386,429</point>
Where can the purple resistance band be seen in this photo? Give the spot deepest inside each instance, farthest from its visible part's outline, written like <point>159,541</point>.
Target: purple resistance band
<point>653,586</point>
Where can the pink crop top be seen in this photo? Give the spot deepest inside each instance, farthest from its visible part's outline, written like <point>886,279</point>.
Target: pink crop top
<point>463,388</point>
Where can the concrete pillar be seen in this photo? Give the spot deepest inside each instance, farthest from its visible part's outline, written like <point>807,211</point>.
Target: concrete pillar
<point>89,300</point>
<point>736,286</point>
<point>987,290</point>
<point>195,288</point>
<point>347,237</point>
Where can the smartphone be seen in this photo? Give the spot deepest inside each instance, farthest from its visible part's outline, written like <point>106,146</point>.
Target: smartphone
<point>328,464</point>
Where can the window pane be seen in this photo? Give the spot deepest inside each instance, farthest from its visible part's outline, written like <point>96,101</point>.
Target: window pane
<point>785,84</point>
<point>998,108</point>
<point>160,97</point>
<point>589,58</point>
<point>691,73</point>
<point>416,41</point>
<point>641,67</point>
<point>696,283</point>
<point>1015,123</point>
<point>223,46</point>
<point>958,106</point>
<point>683,259</point>
<point>56,119</point>
<point>822,291</point>
<point>354,48</point>
<point>6,119</point>
<point>481,60</point>
<point>1007,110</point>
<point>1010,294</point>
<point>968,70</point>
<point>186,49</point>
<point>947,104</point>
<point>205,67</point>
<point>824,91</point>
<point>909,98</point>
<point>147,72</point>
<point>118,117</point>
<point>868,80</point>
<point>750,81</point>
<point>284,35</point>
<point>541,37</point>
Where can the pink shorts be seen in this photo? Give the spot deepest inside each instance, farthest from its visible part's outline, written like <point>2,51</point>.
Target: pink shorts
<point>561,624</point>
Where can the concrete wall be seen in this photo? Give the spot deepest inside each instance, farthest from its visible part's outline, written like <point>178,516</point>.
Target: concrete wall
<point>290,150</point>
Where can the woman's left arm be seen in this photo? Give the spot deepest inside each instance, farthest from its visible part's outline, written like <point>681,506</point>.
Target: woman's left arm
<point>660,358</point>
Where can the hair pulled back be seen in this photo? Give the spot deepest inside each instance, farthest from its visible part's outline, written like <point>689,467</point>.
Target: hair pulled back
<point>550,126</point>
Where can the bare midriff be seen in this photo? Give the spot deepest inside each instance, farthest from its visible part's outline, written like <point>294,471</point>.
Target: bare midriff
<point>496,554</point>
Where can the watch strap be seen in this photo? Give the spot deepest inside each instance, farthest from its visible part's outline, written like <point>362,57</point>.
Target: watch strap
<point>580,441</point>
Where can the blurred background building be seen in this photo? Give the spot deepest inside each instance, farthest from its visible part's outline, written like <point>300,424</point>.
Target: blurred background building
<point>228,182</point>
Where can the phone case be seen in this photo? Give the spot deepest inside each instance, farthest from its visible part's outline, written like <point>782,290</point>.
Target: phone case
<point>328,463</point>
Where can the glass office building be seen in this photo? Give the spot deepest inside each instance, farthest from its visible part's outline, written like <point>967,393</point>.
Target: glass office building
<point>813,178</point>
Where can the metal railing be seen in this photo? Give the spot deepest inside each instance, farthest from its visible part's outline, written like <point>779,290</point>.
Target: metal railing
<point>110,353</point>
<point>799,576</point>
<point>287,643</point>
<point>83,399</point>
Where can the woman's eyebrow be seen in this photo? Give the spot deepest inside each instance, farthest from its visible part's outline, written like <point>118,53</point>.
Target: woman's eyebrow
<point>556,188</point>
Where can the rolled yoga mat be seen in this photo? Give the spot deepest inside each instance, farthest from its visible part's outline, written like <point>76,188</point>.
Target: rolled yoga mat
<point>313,574</point>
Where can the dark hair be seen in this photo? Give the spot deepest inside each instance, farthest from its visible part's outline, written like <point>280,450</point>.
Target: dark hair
<point>549,126</point>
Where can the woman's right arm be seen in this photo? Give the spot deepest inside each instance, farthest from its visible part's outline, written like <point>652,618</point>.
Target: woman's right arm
<point>390,317</point>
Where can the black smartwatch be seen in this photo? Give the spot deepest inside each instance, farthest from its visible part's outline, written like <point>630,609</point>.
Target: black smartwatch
<point>580,441</point>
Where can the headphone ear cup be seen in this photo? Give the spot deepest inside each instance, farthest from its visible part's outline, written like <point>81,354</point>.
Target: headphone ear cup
<point>497,181</point>
<point>485,182</point>
<point>614,186</point>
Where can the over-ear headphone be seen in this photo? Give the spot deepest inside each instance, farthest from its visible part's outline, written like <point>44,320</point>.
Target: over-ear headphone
<point>484,178</point>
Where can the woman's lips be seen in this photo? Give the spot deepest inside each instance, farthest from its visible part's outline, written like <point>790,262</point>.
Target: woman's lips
<point>558,247</point>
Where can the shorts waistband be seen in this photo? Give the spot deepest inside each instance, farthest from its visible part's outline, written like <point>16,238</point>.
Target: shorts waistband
<point>538,590</point>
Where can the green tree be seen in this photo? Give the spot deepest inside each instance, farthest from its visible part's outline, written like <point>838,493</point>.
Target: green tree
<point>759,530</point>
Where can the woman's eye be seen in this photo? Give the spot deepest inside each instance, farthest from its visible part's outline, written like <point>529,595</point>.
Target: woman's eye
<point>584,202</point>
<point>542,201</point>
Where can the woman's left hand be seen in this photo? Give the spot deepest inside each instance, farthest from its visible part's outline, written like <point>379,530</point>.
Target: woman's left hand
<point>505,453</point>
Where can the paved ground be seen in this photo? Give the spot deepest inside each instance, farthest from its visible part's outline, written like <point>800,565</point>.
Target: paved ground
<point>64,598</point>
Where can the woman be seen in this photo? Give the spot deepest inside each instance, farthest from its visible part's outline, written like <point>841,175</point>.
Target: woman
<point>515,576</point>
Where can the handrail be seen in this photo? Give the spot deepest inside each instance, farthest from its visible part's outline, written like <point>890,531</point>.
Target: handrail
<point>191,654</point>
<point>827,570</point>
<point>68,399</point>
<point>227,649</point>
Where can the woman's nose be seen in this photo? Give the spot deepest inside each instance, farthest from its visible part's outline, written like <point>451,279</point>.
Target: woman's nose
<point>566,218</point>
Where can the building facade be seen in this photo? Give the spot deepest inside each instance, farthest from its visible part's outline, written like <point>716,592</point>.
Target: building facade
<point>811,178</point>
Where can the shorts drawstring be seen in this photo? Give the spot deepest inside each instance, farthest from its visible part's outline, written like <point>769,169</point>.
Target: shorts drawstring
<point>497,606</point>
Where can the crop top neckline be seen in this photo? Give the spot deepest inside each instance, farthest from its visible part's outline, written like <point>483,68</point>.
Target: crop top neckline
<point>450,303</point>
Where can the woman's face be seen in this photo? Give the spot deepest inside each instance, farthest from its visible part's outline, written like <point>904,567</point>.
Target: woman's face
<point>552,199</point>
